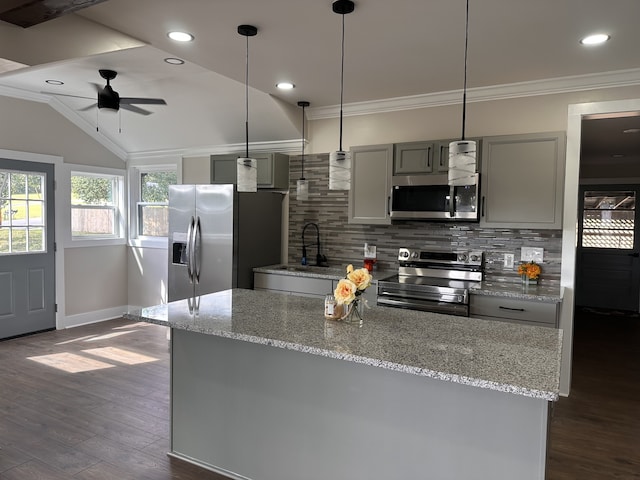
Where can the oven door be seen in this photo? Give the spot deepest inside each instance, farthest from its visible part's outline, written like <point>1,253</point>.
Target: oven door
<point>428,298</point>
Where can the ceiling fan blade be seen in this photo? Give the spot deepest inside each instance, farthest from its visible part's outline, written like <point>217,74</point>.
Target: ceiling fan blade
<point>67,95</point>
<point>97,87</point>
<point>142,101</point>
<point>135,109</point>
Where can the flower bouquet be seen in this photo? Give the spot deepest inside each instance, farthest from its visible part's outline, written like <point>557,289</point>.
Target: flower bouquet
<point>530,272</point>
<point>349,291</point>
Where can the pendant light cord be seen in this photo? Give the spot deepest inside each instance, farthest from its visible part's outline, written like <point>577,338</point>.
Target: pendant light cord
<point>302,177</point>
<point>464,88</point>
<point>246,96</point>
<point>341,81</point>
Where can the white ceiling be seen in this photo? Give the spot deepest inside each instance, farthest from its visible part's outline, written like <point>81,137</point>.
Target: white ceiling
<point>400,48</point>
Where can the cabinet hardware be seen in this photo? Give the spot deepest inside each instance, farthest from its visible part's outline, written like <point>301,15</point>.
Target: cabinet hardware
<point>511,309</point>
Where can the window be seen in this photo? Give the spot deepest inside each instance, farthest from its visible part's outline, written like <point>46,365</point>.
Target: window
<point>22,212</point>
<point>96,201</point>
<point>608,219</point>
<point>153,205</point>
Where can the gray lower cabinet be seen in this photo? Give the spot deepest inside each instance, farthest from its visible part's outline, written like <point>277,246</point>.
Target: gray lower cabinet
<point>522,180</point>
<point>514,310</point>
<point>273,169</point>
<point>370,191</point>
<point>293,285</point>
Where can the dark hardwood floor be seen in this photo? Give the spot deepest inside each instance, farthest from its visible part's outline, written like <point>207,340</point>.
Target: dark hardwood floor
<point>88,403</point>
<point>595,432</point>
<point>92,403</point>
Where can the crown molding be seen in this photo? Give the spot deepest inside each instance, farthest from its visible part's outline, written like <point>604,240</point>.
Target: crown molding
<point>576,83</point>
<point>282,146</point>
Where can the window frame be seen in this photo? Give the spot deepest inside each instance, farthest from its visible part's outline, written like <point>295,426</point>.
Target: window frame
<point>72,241</point>
<point>135,201</point>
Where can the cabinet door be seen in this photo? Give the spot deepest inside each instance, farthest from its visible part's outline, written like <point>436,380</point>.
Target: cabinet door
<point>522,181</point>
<point>370,184</point>
<point>265,169</point>
<point>441,156</point>
<point>413,157</point>
<point>224,169</point>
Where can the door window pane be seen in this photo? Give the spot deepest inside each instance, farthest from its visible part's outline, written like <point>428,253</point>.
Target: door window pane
<point>608,219</point>
<point>22,206</point>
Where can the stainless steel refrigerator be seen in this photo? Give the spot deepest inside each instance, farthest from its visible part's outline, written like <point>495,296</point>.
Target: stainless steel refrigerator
<point>218,235</point>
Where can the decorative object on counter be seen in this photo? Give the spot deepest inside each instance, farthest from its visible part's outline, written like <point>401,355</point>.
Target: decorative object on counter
<point>370,256</point>
<point>247,167</point>
<point>302,186</point>
<point>348,294</point>
<point>462,154</point>
<point>340,161</point>
<point>529,272</point>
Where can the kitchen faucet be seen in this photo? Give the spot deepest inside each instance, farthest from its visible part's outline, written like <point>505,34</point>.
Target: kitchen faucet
<point>321,260</point>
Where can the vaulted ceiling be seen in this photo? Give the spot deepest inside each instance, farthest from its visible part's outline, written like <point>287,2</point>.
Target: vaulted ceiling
<point>408,51</point>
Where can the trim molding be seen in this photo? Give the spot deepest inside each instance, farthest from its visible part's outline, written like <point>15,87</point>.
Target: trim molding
<point>576,83</point>
<point>79,319</point>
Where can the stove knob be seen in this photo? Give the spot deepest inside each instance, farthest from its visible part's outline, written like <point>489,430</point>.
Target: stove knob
<point>462,257</point>
<point>414,255</point>
<point>475,258</point>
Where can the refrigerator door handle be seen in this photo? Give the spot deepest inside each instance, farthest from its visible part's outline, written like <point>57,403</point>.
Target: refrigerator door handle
<point>197,251</point>
<point>190,249</point>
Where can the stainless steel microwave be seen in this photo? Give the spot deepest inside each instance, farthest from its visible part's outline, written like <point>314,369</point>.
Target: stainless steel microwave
<point>429,197</point>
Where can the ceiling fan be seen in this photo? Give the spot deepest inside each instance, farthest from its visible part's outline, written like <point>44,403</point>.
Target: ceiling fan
<point>109,99</point>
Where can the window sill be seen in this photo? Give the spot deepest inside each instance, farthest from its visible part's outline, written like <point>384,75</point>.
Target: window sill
<point>95,242</point>
<point>159,242</point>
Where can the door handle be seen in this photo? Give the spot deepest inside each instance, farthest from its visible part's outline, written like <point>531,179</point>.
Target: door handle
<point>190,249</point>
<point>197,251</point>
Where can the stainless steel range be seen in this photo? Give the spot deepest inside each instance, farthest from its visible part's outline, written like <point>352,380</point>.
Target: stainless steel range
<point>433,281</point>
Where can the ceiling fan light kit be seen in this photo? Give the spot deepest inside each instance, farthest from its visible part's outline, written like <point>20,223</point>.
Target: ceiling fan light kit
<point>247,168</point>
<point>462,153</point>
<point>340,160</point>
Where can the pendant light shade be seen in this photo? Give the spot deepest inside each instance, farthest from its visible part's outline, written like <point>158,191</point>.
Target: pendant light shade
<point>247,167</point>
<point>302,186</point>
<point>462,154</point>
<point>340,161</point>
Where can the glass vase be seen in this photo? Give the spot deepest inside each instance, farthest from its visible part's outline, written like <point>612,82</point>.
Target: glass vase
<point>354,313</point>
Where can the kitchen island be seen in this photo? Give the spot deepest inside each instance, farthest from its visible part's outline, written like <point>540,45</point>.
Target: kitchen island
<point>263,387</point>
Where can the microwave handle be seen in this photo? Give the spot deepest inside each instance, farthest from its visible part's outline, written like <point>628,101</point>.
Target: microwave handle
<point>452,202</point>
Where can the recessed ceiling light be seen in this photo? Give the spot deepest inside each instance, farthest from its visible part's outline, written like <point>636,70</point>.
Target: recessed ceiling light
<point>595,39</point>
<point>631,130</point>
<point>54,82</point>
<point>285,85</point>
<point>174,61</point>
<point>180,36</point>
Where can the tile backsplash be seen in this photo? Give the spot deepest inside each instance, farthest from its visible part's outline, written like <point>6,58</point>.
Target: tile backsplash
<point>343,243</point>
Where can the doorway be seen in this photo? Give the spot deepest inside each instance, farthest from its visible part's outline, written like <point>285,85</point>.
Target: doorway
<point>608,263</point>
<point>27,248</point>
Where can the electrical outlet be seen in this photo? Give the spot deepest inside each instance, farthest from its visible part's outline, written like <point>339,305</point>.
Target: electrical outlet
<point>532,254</point>
<point>508,260</point>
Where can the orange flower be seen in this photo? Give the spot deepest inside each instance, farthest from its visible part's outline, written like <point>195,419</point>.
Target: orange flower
<point>361,277</point>
<point>345,291</point>
<point>531,269</point>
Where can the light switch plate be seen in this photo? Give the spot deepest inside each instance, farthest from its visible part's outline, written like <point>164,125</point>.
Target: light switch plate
<point>508,260</point>
<point>532,254</point>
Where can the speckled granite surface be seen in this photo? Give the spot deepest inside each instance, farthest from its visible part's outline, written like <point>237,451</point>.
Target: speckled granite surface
<point>541,293</point>
<point>518,359</point>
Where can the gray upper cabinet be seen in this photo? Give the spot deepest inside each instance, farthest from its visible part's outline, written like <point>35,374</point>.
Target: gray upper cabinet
<point>441,156</point>
<point>273,170</point>
<point>413,158</point>
<point>371,168</point>
<point>522,180</point>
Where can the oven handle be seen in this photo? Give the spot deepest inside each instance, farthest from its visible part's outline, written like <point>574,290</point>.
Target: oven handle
<point>428,306</point>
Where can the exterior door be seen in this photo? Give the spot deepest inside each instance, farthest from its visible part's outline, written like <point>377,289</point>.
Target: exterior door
<point>27,256</point>
<point>608,264</point>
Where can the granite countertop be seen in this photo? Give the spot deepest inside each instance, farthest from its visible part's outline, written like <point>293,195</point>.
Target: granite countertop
<point>519,359</point>
<point>540,293</point>
<point>330,273</point>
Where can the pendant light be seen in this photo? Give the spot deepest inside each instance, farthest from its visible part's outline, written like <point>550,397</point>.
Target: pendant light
<point>462,154</point>
<point>340,161</point>
<point>302,186</point>
<point>247,167</point>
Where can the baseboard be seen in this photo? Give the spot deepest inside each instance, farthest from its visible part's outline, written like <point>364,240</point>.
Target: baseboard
<point>79,319</point>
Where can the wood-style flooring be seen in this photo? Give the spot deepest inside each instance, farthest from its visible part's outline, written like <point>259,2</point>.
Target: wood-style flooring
<point>92,403</point>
